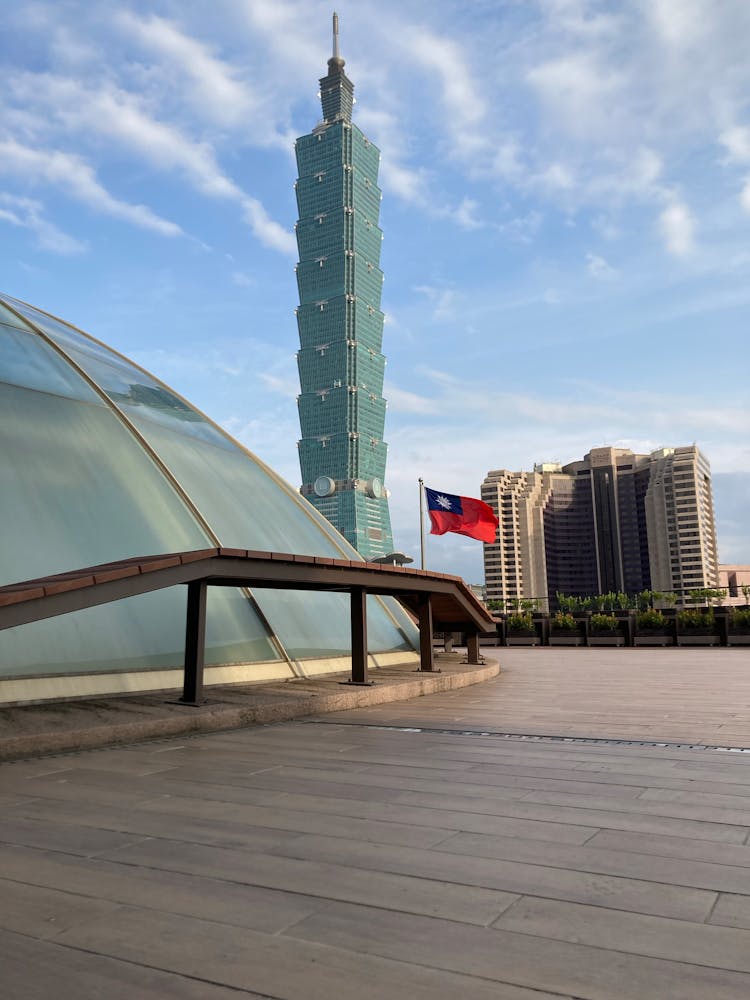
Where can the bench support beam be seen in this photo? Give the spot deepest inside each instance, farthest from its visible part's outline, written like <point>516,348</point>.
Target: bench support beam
<point>426,661</point>
<point>359,635</point>
<point>472,648</point>
<point>195,643</point>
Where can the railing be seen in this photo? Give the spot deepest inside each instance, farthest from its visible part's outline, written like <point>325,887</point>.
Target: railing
<point>627,632</point>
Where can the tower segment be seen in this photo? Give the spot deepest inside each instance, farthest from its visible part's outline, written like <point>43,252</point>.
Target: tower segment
<point>341,366</point>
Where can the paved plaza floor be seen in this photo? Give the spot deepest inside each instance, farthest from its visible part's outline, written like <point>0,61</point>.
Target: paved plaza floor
<point>416,849</point>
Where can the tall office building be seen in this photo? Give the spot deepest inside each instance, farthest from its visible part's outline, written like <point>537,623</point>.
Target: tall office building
<point>614,521</point>
<point>341,407</point>
<point>680,518</point>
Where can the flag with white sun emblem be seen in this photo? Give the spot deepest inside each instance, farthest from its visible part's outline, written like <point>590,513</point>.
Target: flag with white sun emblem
<point>463,515</point>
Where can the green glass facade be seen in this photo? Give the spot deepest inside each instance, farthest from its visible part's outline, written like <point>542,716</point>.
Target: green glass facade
<point>341,406</point>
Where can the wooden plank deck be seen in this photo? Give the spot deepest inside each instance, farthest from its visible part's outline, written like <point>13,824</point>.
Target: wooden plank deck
<point>342,857</point>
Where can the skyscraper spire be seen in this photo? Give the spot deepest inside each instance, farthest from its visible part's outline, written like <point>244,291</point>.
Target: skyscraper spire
<point>336,89</point>
<point>336,36</point>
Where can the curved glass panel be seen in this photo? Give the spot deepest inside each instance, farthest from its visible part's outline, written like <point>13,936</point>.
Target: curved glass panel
<point>382,631</point>
<point>10,318</point>
<point>55,328</point>
<point>124,382</point>
<point>308,623</point>
<point>25,360</point>
<point>137,394</point>
<point>139,633</point>
<point>76,489</point>
<point>249,511</point>
<point>312,624</point>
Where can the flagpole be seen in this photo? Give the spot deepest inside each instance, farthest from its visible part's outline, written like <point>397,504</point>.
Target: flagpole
<point>421,518</point>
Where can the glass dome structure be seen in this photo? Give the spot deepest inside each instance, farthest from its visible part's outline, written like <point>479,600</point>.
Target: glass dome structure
<point>101,461</point>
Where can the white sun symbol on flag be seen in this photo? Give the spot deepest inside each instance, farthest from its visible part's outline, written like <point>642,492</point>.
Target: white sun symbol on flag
<point>444,502</point>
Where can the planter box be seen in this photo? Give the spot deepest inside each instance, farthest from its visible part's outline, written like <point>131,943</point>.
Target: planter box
<point>738,639</point>
<point>565,639</point>
<point>698,639</point>
<point>607,639</point>
<point>489,639</point>
<point>518,639</point>
<point>654,639</point>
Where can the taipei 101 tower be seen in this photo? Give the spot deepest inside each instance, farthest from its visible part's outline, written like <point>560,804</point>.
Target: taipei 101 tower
<point>341,407</point>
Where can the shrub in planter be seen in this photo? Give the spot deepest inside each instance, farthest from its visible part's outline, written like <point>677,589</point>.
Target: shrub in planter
<point>740,620</point>
<point>651,620</point>
<point>692,620</point>
<point>739,627</point>
<point>564,622</point>
<point>606,624</point>
<point>521,621</point>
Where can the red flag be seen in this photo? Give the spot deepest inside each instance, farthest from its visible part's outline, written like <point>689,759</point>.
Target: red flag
<point>464,515</point>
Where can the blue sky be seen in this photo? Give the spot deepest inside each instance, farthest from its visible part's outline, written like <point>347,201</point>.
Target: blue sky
<point>566,209</point>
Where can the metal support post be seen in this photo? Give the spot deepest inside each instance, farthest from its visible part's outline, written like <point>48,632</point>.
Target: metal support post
<point>195,643</point>
<point>359,636</point>
<point>426,662</point>
<point>472,648</point>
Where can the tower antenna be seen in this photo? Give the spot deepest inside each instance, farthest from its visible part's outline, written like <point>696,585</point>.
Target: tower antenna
<point>336,36</point>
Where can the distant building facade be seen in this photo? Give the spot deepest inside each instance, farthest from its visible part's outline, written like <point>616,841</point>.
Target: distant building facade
<point>733,578</point>
<point>614,521</point>
<point>341,406</point>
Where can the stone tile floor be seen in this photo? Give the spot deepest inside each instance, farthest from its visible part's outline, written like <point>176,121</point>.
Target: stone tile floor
<point>403,850</point>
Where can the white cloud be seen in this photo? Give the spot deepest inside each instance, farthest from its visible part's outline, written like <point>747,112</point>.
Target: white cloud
<point>736,140</point>
<point>598,267</point>
<point>285,385</point>
<point>242,280</point>
<point>29,214</point>
<point>73,175</point>
<point>523,228</point>
<point>442,300</point>
<point>578,19</point>
<point>461,93</point>
<point>120,116</point>
<point>643,169</point>
<point>404,182</point>
<point>269,232</point>
<point>467,214</point>
<point>606,227</point>
<point>385,130</point>
<point>680,25</point>
<point>508,160</point>
<point>212,83</point>
<point>579,90</point>
<point>677,229</point>
<point>404,401</point>
<point>413,185</point>
<point>285,32</point>
<point>556,176</point>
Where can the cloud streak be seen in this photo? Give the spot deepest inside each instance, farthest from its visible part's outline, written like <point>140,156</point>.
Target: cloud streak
<point>73,175</point>
<point>28,213</point>
<point>120,117</point>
